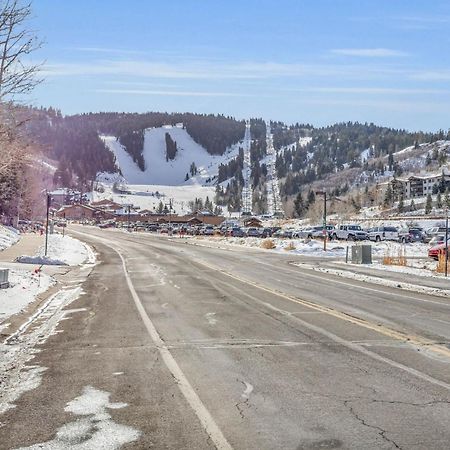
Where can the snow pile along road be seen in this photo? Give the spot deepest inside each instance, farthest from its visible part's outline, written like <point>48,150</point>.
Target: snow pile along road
<point>24,288</point>
<point>8,236</point>
<point>62,250</point>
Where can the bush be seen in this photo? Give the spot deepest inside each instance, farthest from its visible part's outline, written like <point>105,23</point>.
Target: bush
<point>268,244</point>
<point>290,247</point>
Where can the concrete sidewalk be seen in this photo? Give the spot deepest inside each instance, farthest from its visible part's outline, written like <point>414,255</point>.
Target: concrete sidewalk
<point>28,244</point>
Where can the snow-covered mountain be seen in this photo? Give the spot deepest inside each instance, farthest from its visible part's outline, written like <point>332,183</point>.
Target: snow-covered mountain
<point>159,170</point>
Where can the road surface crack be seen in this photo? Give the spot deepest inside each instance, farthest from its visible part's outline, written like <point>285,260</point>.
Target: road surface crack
<point>244,404</point>
<point>381,432</point>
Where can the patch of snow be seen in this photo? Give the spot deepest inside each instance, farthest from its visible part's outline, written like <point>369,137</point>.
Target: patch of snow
<point>25,286</point>
<point>149,196</point>
<point>19,348</point>
<point>8,236</point>
<point>62,250</point>
<point>95,428</point>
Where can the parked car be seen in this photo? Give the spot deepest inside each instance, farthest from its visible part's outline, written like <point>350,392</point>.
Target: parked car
<point>153,227</point>
<point>412,235</point>
<point>208,230</point>
<point>349,233</point>
<point>309,232</point>
<point>438,239</point>
<point>383,234</point>
<point>284,234</point>
<point>109,224</point>
<point>236,232</point>
<point>430,232</point>
<point>253,232</point>
<point>435,250</point>
<point>265,232</point>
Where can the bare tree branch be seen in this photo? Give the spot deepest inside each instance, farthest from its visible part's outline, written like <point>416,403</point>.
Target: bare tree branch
<point>16,42</point>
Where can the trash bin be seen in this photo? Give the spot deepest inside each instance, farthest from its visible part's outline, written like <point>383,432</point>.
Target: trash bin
<point>362,254</point>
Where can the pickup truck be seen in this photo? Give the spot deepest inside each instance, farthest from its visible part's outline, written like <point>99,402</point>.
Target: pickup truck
<point>349,233</point>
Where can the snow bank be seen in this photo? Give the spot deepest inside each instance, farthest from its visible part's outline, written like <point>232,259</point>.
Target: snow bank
<point>24,288</point>
<point>62,250</point>
<point>8,236</point>
<point>314,247</point>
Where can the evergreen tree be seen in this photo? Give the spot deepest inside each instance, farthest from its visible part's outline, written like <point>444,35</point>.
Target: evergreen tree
<point>428,204</point>
<point>439,201</point>
<point>299,205</point>
<point>186,177</point>
<point>171,148</point>
<point>412,205</point>
<point>391,160</point>
<point>442,183</point>
<point>160,208</point>
<point>401,204</point>
<point>388,196</point>
<point>311,198</point>
<point>447,198</point>
<point>428,159</point>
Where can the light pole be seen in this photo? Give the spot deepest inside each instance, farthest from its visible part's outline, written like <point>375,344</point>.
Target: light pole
<point>446,241</point>
<point>325,234</point>
<point>48,195</point>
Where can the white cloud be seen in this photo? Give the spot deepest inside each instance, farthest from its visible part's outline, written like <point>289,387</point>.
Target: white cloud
<point>107,50</point>
<point>368,52</point>
<point>170,93</point>
<point>373,90</point>
<point>209,70</point>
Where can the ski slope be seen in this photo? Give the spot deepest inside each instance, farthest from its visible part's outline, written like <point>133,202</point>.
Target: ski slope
<point>158,171</point>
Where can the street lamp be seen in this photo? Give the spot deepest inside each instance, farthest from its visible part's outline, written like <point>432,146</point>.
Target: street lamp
<point>446,241</point>
<point>48,195</point>
<point>325,234</point>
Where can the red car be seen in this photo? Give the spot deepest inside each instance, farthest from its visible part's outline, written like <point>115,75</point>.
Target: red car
<point>433,252</point>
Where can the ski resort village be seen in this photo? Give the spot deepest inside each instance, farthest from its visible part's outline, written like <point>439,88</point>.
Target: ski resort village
<point>224,225</point>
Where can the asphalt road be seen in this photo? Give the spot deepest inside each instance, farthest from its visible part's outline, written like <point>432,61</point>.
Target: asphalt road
<point>204,347</point>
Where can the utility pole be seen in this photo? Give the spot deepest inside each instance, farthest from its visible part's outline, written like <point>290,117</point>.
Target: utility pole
<point>324,224</point>
<point>446,241</point>
<point>129,207</point>
<point>46,223</point>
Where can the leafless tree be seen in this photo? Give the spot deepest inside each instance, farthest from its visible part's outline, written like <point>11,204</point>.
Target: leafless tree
<point>17,74</point>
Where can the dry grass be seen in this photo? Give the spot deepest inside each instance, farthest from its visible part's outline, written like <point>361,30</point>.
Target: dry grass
<point>392,259</point>
<point>268,244</point>
<point>440,268</point>
<point>290,247</point>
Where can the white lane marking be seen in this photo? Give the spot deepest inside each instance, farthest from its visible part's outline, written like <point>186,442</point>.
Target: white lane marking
<point>94,429</point>
<point>210,318</point>
<point>248,390</point>
<point>164,305</point>
<point>207,421</point>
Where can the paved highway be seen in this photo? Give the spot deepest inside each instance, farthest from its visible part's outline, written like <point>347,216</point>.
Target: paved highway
<point>174,345</point>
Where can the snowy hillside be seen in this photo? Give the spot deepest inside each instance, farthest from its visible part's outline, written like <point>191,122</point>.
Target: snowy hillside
<point>148,197</point>
<point>159,171</point>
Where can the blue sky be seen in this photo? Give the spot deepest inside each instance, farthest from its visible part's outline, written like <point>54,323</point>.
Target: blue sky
<point>315,61</point>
